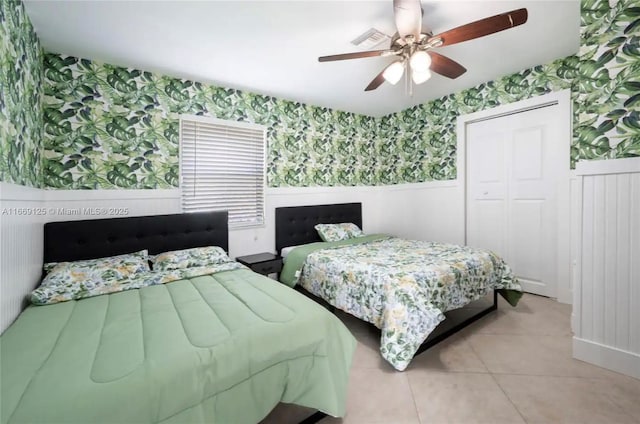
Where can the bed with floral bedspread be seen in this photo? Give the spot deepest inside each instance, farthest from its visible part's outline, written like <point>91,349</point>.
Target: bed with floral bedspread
<point>401,286</point>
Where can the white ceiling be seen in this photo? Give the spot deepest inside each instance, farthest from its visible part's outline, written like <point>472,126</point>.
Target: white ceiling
<point>272,47</point>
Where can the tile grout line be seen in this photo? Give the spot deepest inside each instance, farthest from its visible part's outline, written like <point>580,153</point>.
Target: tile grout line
<point>413,398</point>
<point>468,341</point>
<point>624,410</point>
<point>485,333</point>
<point>584,377</point>
<point>613,400</point>
<point>508,398</point>
<point>494,375</point>
<point>497,383</point>
<point>591,377</point>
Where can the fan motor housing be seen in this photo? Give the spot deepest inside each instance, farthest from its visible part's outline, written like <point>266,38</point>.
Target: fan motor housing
<point>398,43</point>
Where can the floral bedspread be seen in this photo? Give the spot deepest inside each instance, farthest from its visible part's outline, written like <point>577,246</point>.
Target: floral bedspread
<point>62,291</point>
<point>403,286</point>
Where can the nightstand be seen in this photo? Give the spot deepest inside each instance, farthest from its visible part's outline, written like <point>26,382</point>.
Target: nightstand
<point>262,263</point>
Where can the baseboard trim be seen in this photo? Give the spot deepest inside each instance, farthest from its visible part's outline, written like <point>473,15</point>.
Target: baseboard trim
<point>608,357</point>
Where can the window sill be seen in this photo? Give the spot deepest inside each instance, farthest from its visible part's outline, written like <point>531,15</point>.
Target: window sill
<point>246,227</point>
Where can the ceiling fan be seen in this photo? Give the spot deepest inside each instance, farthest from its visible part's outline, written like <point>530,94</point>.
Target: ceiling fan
<point>414,48</point>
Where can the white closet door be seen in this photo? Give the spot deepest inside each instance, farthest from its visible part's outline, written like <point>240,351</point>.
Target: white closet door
<point>513,167</point>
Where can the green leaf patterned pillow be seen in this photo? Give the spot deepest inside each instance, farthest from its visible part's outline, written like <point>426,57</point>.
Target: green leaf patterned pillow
<point>337,232</point>
<point>95,272</point>
<point>189,258</point>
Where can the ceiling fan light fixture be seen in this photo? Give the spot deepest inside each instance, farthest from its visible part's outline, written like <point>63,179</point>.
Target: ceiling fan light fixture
<point>420,77</point>
<point>394,72</point>
<point>413,46</point>
<point>420,61</point>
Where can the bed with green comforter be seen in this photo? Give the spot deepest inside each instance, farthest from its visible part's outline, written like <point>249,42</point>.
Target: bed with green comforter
<point>401,286</point>
<point>217,348</point>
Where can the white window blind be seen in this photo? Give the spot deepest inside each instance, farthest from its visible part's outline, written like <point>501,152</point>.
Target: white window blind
<point>222,167</point>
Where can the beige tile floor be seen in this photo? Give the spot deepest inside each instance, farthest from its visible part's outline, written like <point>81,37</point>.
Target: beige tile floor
<point>513,366</point>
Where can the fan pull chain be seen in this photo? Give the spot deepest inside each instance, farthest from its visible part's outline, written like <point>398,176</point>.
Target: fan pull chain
<point>409,82</point>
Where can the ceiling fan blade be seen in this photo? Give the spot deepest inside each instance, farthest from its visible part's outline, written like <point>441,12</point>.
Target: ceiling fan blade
<point>356,55</point>
<point>408,14</point>
<point>483,27</point>
<point>444,66</point>
<point>377,81</point>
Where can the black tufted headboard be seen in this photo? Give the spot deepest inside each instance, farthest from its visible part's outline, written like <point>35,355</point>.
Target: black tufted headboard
<point>98,238</point>
<point>294,225</point>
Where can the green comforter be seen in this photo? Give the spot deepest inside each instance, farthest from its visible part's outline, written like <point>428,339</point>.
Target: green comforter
<point>403,287</point>
<point>221,348</point>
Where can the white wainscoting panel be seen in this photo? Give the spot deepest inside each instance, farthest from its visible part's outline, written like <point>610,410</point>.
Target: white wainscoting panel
<point>572,289</point>
<point>607,301</point>
<point>22,213</point>
<point>430,211</point>
<point>26,210</point>
<point>427,211</point>
<point>71,205</point>
<point>424,211</point>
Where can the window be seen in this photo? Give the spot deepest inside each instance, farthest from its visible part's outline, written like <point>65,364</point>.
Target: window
<point>222,167</point>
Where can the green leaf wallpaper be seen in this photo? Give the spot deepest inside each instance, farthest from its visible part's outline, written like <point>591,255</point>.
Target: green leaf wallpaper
<point>608,81</point>
<point>20,97</point>
<point>114,127</point>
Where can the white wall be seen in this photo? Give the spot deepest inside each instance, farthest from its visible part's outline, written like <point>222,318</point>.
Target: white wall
<point>427,211</point>
<point>607,294</point>
<point>20,247</point>
<point>70,205</point>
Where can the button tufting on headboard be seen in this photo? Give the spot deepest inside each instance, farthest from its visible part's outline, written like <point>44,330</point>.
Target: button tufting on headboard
<point>295,225</point>
<point>88,239</point>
